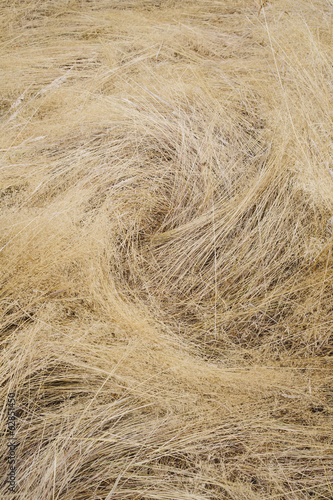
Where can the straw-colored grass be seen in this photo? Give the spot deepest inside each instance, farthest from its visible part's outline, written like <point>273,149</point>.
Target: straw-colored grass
<point>166,199</point>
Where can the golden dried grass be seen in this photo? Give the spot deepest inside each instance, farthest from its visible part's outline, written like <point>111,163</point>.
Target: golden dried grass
<point>166,271</point>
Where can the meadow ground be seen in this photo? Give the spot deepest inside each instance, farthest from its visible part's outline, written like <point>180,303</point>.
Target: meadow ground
<point>166,300</point>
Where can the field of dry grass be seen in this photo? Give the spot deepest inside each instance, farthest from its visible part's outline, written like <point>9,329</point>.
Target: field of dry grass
<point>166,286</point>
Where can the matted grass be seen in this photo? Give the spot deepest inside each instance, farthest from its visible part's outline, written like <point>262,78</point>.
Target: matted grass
<point>166,194</point>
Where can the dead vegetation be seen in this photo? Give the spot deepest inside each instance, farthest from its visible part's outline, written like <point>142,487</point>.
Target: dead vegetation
<point>166,200</point>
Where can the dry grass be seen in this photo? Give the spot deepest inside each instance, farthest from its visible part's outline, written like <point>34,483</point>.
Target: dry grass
<point>166,199</point>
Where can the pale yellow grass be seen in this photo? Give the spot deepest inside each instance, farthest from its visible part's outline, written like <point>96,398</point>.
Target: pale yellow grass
<point>166,197</point>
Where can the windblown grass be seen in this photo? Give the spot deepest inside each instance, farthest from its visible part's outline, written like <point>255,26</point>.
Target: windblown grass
<point>166,198</point>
